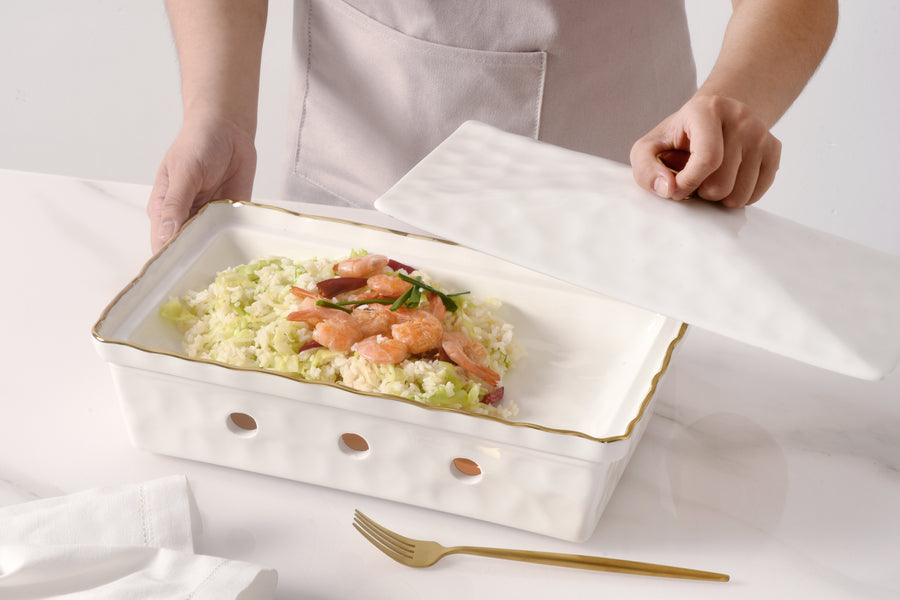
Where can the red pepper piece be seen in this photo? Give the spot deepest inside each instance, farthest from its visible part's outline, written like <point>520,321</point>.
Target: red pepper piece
<point>309,345</point>
<point>493,397</point>
<point>399,266</point>
<point>337,285</point>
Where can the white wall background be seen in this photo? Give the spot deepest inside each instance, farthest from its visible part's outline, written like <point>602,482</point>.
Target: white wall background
<point>90,89</point>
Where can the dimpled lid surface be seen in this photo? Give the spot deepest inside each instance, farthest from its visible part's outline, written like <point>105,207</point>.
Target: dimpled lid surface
<point>746,274</point>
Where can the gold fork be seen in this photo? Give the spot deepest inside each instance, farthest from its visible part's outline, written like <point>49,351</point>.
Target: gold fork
<point>420,553</point>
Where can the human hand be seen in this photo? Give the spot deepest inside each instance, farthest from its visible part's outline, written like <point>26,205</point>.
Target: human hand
<point>210,160</point>
<point>733,157</point>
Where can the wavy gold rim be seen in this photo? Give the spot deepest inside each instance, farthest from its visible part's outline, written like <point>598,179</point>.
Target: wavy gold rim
<point>103,315</point>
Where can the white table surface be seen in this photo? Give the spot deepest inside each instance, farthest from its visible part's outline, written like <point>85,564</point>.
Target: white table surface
<point>785,476</point>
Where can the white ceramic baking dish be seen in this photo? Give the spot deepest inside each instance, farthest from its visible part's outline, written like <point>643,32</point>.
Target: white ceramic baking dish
<point>585,390</point>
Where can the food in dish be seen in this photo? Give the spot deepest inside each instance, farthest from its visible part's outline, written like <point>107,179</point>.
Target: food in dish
<point>362,321</point>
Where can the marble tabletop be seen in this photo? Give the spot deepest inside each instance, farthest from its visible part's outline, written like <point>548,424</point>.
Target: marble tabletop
<point>783,475</point>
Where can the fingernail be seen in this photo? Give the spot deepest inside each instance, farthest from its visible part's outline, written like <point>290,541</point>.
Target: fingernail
<point>166,229</point>
<point>661,187</point>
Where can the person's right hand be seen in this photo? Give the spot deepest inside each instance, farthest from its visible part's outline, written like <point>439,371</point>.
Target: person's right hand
<point>209,160</point>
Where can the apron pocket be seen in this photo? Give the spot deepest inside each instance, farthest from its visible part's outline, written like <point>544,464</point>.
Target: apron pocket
<point>377,101</point>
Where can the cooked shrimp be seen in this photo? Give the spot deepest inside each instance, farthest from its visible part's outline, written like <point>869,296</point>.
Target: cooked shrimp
<point>436,307</point>
<point>382,350</point>
<point>470,355</point>
<point>389,286</point>
<point>310,302</point>
<point>304,294</point>
<point>420,334</point>
<point>374,319</point>
<point>310,313</point>
<point>337,334</point>
<point>361,266</point>
<point>405,313</point>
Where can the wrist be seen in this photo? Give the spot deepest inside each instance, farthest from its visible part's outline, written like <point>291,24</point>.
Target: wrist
<point>746,102</point>
<point>222,111</point>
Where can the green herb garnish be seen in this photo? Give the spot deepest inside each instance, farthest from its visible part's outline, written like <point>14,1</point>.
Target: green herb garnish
<point>445,298</point>
<point>411,298</point>
<point>328,304</point>
<point>402,299</point>
<point>415,294</point>
<point>369,301</point>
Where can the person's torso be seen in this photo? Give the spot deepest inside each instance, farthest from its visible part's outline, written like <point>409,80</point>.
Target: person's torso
<point>378,83</point>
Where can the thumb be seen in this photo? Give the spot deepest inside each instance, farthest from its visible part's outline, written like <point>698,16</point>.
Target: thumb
<point>648,169</point>
<point>169,207</point>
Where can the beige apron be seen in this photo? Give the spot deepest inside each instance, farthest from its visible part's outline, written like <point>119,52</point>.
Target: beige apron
<point>379,83</point>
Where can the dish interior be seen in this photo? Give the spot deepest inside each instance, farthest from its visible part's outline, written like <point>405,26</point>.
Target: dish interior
<point>589,360</point>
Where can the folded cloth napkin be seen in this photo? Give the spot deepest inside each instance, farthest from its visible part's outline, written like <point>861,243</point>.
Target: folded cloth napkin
<point>133,541</point>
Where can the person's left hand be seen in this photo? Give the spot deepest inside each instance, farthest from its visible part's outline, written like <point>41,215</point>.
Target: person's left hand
<point>733,157</point>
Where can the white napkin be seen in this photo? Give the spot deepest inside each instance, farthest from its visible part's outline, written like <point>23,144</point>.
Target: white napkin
<point>133,541</point>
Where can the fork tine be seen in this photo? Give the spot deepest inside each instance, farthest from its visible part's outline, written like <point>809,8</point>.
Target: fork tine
<point>374,535</point>
<point>390,552</point>
<point>389,543</point>
<point>384,532</point>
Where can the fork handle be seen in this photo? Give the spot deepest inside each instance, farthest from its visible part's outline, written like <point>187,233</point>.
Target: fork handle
<point>595,563</point>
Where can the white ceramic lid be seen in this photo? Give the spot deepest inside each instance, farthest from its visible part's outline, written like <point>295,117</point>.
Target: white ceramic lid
<point>746,274</point>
